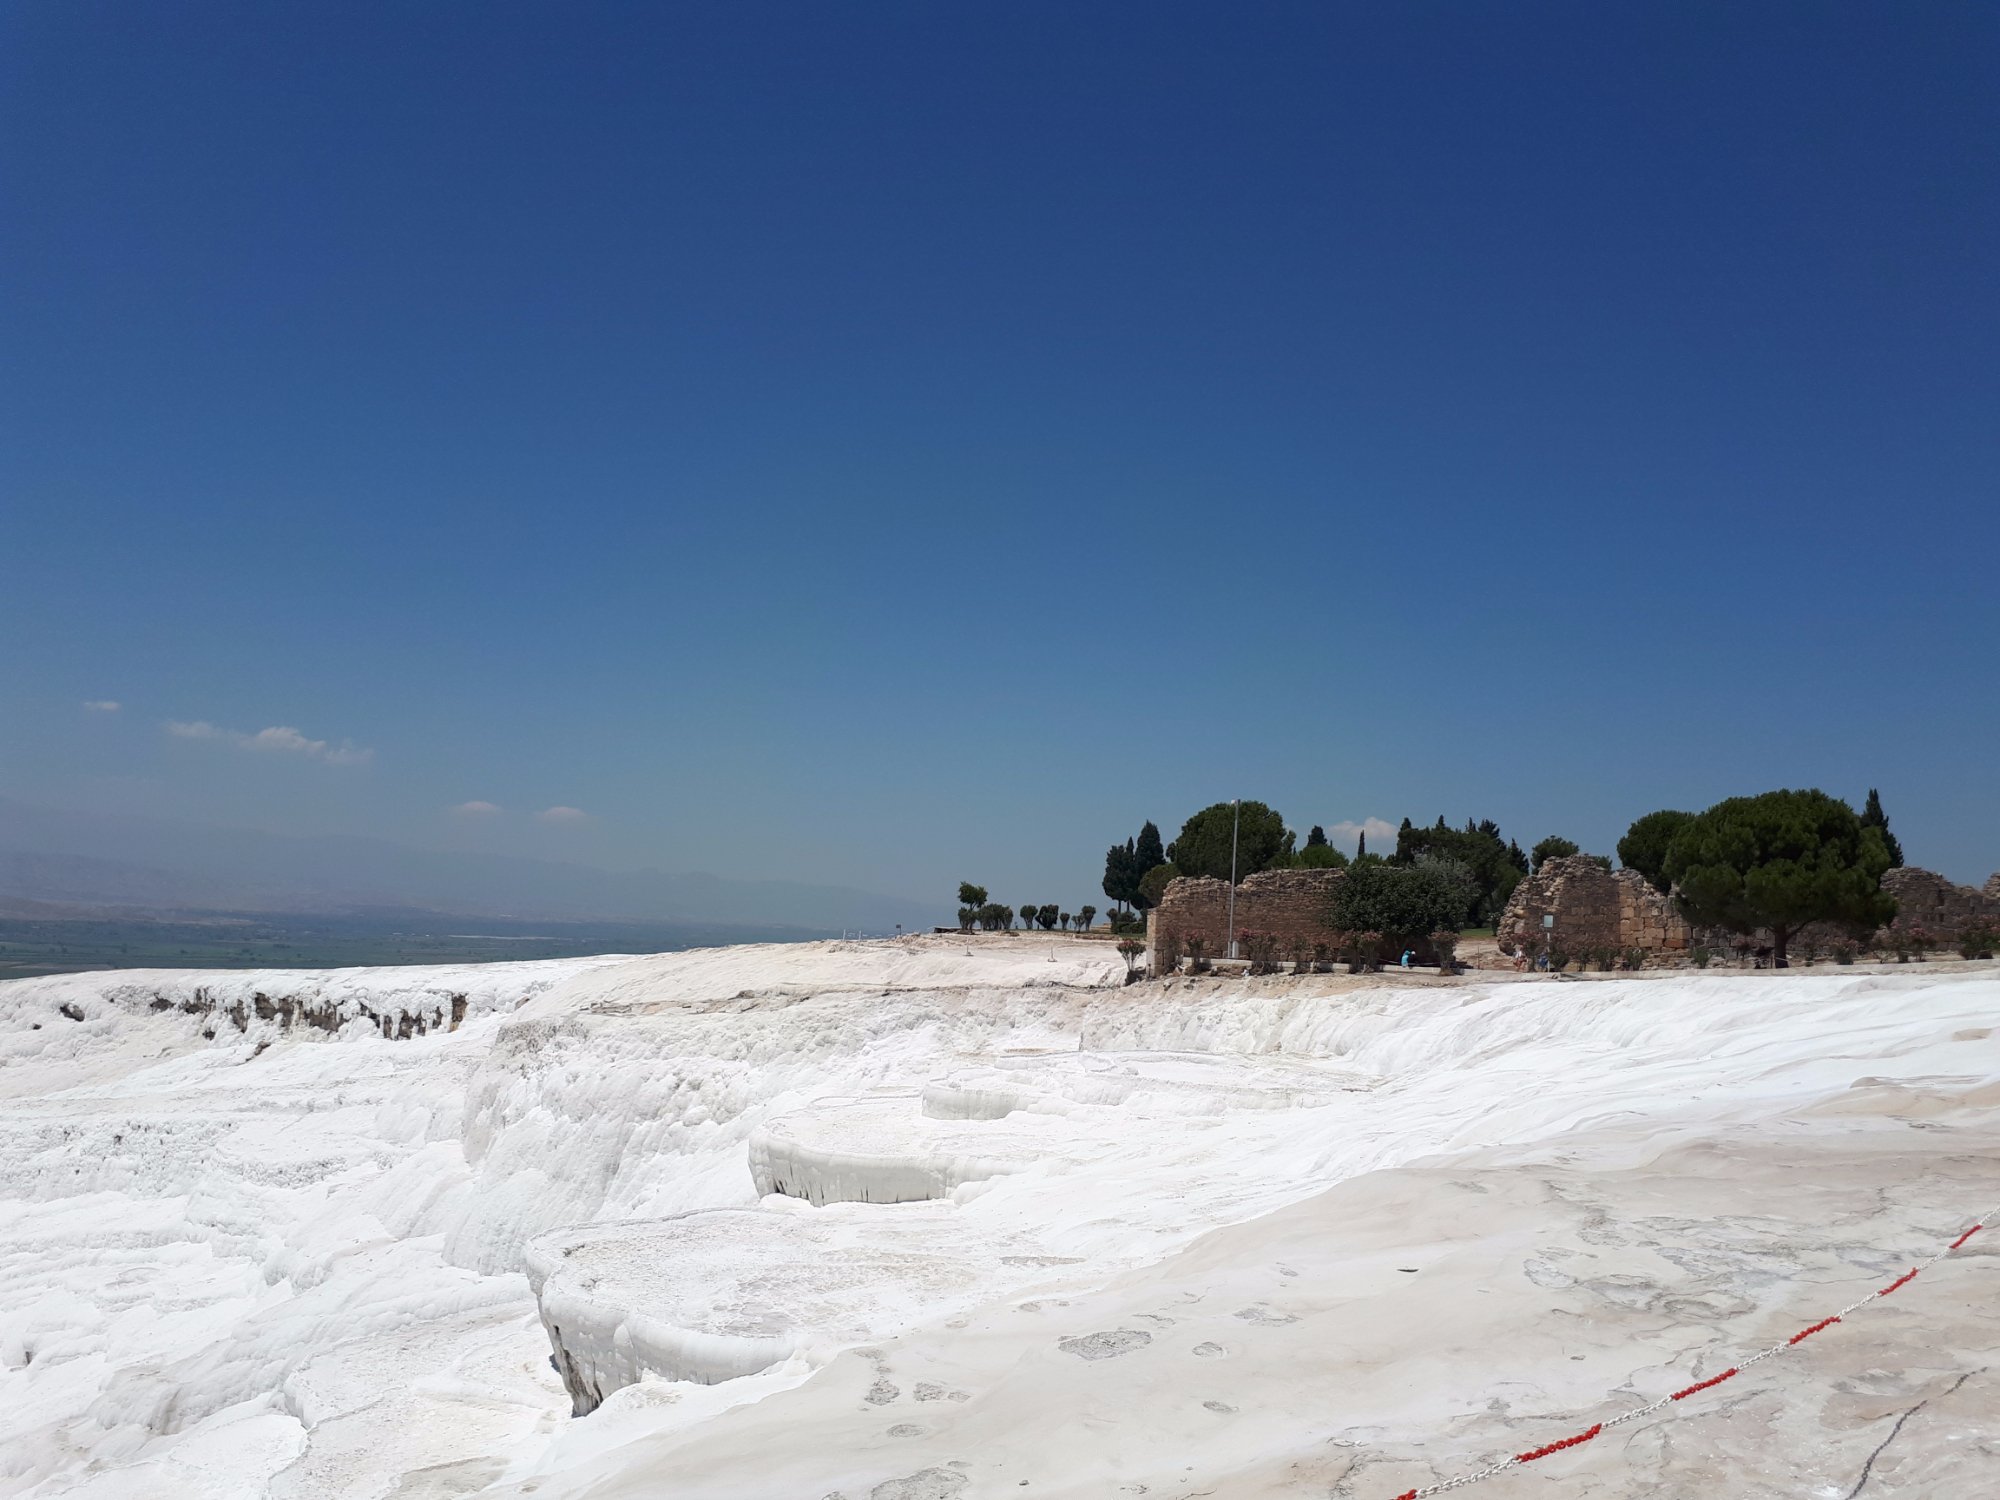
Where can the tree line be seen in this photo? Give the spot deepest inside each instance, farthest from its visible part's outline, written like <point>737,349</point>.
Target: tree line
<point>975,911</point>
<point>1475,861</point>
<point>1772,863</point>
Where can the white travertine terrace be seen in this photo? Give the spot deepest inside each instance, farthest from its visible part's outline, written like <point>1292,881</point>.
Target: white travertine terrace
<point>1350,1234</point>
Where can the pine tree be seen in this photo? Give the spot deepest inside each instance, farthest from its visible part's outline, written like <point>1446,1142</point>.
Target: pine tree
<point>1779,862</point>
<point>1361,843</point>
<point>1316,837</point>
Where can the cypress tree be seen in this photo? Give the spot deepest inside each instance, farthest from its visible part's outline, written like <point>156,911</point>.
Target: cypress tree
<point>1873,817</point>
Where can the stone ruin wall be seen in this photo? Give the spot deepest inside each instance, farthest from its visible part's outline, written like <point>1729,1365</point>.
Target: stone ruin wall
<point>1594,908</point>
<point>1926,899</point>
<point>1293,904</point>
<point>1597,908</point>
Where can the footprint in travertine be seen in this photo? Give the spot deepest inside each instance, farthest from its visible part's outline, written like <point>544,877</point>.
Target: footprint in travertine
<point>1151,1083</point>
<point>1263,1313</point>
<point>889,1151</point>
<point>925,1484</point>
<point>1209,1351</point>
<point>1105,1345</point>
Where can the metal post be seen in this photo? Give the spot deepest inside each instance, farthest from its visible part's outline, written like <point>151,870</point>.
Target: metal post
<point>1235,826</point>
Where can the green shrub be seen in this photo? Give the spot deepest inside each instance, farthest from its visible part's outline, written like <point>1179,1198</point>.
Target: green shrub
<point>1700,957</point>
<point>1978,940</point>
<point>1635,958</point>
<point>1403,902</point>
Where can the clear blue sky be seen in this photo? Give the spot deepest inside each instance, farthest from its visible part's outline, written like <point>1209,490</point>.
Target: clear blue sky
<point>891,443</point>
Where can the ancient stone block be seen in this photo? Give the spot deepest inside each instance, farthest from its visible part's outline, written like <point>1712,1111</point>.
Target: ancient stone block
<point>1594,908</point>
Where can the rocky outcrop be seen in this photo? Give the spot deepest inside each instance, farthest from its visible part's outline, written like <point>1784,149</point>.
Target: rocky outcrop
<point>1294,906</point>
<point>1594,909</point>
<point>1926,901</point>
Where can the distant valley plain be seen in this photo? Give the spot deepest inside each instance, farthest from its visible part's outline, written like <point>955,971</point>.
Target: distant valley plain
<point>32,945</point>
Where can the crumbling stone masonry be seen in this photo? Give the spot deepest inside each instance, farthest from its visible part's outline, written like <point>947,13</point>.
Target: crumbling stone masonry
<point>1594,908</point>
<point>1927,900</point>
<point>1294,905</point>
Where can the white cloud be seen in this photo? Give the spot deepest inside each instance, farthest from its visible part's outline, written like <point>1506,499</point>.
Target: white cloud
<point>563,815</point>
<point>103,705</point>
<point>1381,834</point>
<point>279,737</point>
<point>476,809</point>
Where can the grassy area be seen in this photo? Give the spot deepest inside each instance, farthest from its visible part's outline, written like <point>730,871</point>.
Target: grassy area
<point>1476,932</point>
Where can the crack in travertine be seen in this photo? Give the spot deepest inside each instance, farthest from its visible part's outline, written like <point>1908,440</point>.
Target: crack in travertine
<point>1869,1467</point>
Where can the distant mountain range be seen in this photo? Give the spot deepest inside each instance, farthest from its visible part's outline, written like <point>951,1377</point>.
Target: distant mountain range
<point>51,858</point>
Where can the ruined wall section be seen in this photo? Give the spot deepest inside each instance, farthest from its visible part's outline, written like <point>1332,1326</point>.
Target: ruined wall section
<point>1925,899</point>
<point>1594,908</point>
<point>1293,904</point>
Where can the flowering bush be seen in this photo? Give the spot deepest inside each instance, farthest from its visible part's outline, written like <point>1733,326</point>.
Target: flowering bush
<point>1444,942</point>
<point>1910,942</point>
<point>1364,952</point>
<point>1261,948</point>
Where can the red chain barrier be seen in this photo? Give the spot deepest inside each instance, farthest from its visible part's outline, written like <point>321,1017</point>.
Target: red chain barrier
<point>1702,1385</point>
<point>1805,1333</point>
<point>1547,1448</point>
<point>1421,1492</point>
